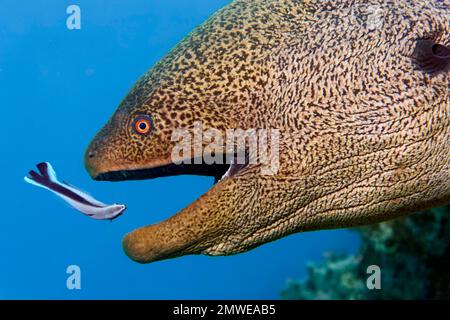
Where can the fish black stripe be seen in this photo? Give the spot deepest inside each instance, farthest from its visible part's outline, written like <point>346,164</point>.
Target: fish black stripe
<point>70,194</point>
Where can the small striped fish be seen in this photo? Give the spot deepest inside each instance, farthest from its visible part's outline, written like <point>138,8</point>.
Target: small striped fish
<point>83,202</point>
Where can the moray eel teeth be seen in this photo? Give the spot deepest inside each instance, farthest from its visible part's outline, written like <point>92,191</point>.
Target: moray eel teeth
<point>357,89</point>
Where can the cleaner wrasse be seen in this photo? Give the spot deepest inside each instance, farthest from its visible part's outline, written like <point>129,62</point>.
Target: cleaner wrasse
<point>81,201</point>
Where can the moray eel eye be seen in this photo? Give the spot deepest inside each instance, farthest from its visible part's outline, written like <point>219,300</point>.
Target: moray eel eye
<point>143,125</point>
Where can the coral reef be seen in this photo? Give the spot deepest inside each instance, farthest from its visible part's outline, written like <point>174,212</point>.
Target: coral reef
<point>413,253</point>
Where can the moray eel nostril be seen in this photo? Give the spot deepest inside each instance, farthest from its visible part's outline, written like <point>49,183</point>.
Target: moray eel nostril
<point>441,51</point>
<point>358,90</point>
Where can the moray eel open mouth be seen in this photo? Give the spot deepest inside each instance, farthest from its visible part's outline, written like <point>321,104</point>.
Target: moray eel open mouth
<point>218,171</point>
<point>168,170</point>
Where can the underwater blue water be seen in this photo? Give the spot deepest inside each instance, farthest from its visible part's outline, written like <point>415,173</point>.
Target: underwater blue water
<point>57,88</point>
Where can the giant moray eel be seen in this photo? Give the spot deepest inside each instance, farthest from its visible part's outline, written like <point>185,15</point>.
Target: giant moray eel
<point>359,92</point>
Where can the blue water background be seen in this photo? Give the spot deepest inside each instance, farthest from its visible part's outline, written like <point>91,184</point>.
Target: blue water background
<point>57,88</point>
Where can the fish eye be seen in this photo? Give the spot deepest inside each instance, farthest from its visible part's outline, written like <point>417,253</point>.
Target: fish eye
<point>143,125</point>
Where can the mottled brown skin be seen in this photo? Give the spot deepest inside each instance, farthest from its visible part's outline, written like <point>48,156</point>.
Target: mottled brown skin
<point>365,131</point>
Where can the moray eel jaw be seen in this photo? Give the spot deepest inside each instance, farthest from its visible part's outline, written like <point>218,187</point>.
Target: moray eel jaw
<point>166,170</point>
<point>202,227</point>
<point>194,230</point>
<point>358,89</point>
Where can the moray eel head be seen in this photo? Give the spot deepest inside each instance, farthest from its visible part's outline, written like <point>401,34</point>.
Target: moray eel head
<point>358,91</point>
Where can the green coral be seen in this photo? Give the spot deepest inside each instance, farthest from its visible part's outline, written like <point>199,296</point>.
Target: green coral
<point>413,253</point>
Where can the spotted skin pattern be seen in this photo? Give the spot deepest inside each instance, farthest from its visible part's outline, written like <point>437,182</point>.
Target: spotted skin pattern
<point>364,131</point>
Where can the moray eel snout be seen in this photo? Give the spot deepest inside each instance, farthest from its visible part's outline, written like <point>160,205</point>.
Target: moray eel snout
<point>358,91</point>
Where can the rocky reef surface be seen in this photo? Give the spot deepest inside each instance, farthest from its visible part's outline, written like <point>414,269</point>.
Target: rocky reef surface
<point>413,254</point>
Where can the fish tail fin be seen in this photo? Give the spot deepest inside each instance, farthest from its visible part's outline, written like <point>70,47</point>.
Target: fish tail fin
<point>31,181</point>
<point>44,178</point>
<point>47,171</point>
<point>36,179</point>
